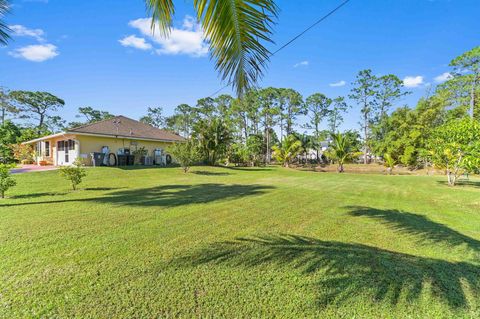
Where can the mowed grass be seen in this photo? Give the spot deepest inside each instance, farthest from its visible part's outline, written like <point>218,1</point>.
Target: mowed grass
<point>259,242</point>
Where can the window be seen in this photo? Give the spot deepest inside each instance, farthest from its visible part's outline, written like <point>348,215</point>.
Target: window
<point>61,145</point>
<point>71,145</point>
<point>47,149</point>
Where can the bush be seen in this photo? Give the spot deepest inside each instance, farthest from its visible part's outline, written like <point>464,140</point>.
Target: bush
<point>74,173</point>
<point>185,153</point>
<point>6,179</point>
<point>23,153</point>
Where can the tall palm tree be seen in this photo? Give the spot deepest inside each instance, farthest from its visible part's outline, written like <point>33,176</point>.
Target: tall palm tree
<point>235,30</point>
<point>4,8</point>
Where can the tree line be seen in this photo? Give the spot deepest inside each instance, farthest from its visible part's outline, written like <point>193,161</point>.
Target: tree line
<point>280,122</point>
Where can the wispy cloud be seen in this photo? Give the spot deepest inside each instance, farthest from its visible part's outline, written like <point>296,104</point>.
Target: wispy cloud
<point>36,53</point>
<point>22,31</point>
<point>443,77</point>
<point>188,39</point>
<point>413,81</point>
<point>337,84</point>
<point>302,63</point>
<point>135,42</point>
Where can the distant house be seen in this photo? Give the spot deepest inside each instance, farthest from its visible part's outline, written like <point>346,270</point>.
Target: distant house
<point>119,135</point>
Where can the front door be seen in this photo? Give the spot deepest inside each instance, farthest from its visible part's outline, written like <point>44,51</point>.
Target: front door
<point>65,152</point>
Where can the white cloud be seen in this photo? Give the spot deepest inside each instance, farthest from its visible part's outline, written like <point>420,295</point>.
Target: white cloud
<point>188,39</point>
<point>339,83</point>
<point>135,42</point>
<point>413,81</point>
<point>443,77</point>
<point>36,53</point>
<point>303,63</point>
<point>22,31</point>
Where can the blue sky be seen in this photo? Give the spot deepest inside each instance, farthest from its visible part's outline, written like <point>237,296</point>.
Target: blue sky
<point>99,54</point>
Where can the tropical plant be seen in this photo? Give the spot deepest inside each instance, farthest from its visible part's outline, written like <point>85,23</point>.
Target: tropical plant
<point>23,153</point>
<point>74,173</point>
<point>9,133</point>
<point>4,8</point>
<point>287,150</point>
<point>213,138</point>
<point>6,180</point>
<point>389,162</point>
<point>341,150</point>
<point>455,147</point>
<point>235,30</point>
<point>185,154</point>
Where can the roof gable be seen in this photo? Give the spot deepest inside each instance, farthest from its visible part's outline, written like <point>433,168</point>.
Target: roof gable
<point>121,126</point>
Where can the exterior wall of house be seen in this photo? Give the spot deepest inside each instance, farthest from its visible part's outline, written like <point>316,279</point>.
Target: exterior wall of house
<point>50,157</point>
<point>90,144</point>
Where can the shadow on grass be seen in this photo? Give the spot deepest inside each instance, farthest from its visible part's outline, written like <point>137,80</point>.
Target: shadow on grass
<point>463,183</point>
<point>415,224</point>
<point>33,195</point>
<point>250,169</point>
<point>208,173</point>
<point>102,188</point>
<point>167,195</point>
<point>349,270</point>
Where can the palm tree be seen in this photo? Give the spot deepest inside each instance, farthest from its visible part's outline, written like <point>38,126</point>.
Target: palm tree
<point>289,148</point>
<point>389,162</point>
<point>342,150</point>
<point>235,30</point>
<point>4,8</point>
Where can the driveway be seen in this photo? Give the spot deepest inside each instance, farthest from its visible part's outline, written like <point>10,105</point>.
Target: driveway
<point>32,168</point>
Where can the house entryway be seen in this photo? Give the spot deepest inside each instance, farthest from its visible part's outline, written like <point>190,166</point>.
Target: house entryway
<point>66,153</point>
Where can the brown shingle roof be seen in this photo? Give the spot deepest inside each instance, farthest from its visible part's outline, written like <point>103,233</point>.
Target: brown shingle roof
<point>122,126</point>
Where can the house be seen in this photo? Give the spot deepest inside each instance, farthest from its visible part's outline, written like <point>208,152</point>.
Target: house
<point>120,136</point>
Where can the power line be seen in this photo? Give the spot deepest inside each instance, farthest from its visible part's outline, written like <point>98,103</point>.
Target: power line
<point>294,38</point>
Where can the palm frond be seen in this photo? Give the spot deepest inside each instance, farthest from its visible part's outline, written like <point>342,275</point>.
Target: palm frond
<point>236,30</point>
<point>162,12</point>
<point>4,8</point>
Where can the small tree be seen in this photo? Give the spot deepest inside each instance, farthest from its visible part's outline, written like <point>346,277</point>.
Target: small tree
<point>342,150</point>
<point>23,153</point>
<point>455,147</point>
<point>289,148</point>
<point>74,173</point>
<point>6,179</point>
<point>389,162</point>
<point>185,153</point>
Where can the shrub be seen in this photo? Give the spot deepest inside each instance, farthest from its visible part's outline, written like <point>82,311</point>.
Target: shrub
<point>74,173</point>
<point>185,153</point>
<point>23,153</point>
<point>6,179</point>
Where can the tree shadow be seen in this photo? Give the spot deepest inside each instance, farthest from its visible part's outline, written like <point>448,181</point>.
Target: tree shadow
<point>179,195</point>
<point>101,188</point>
<point>249,169</point>
<point>463,183</point>
<point>168,195</point>
<point>349,269</point>
<point>208,173</point>
<point>415,224</point>
<point>34,195</point>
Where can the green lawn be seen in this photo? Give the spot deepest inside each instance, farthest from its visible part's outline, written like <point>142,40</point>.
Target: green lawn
<point>221,242</point>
